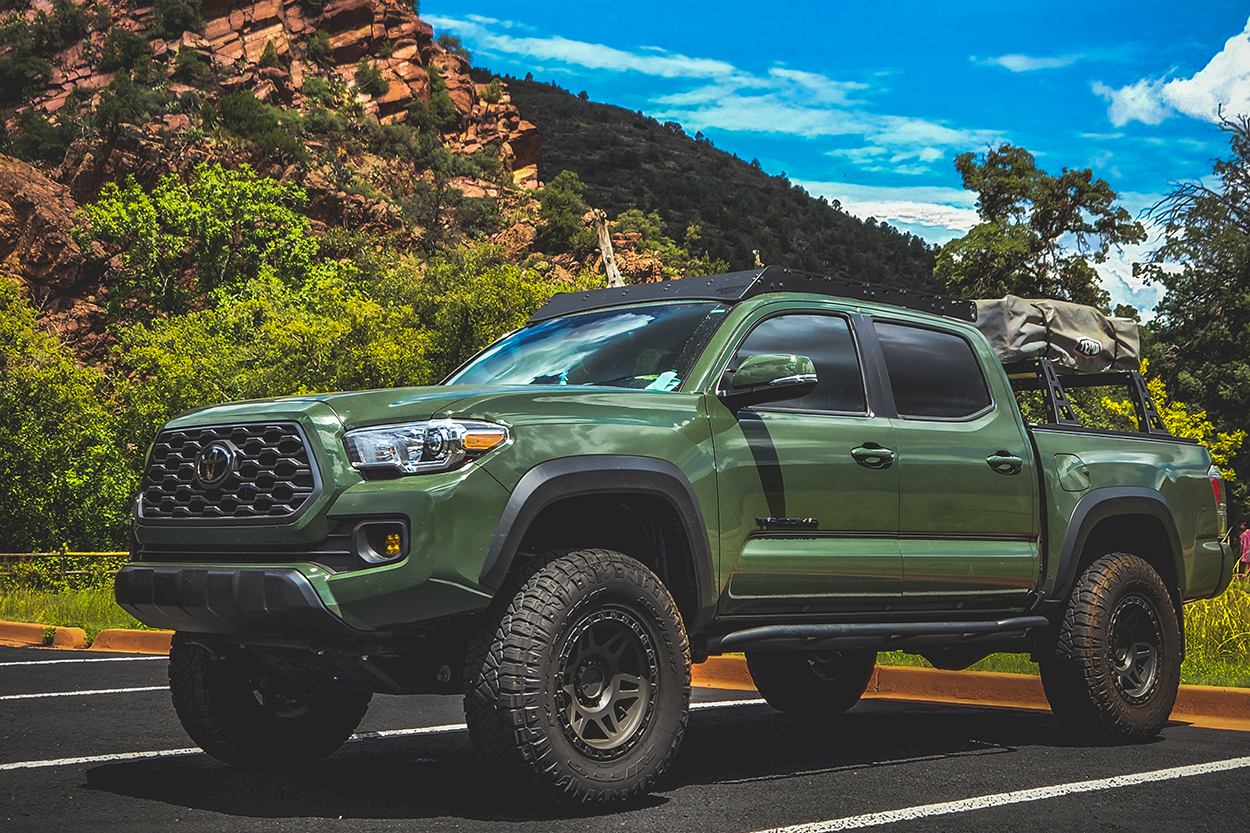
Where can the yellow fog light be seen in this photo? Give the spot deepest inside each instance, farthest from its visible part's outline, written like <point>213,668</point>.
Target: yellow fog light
<point>380,542</point>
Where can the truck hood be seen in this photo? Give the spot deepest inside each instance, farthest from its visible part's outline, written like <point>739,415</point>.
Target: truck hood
<point>507,404</point>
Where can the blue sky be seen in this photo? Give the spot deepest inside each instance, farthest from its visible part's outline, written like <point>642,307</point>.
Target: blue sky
<point>869,103</point>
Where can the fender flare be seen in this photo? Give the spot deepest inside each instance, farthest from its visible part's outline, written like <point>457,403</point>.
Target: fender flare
<point>604,474</point>
<point>1100,504</point>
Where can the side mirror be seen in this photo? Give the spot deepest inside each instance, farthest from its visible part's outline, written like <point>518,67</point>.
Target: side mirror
<point>770,377</point>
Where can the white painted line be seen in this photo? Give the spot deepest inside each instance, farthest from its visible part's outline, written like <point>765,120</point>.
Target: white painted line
<point>84,693</point>
<point>1017,797</point>
<point>85,659</point>
<point>385,733</point>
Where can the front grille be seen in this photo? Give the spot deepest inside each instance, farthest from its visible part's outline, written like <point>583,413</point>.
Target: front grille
<point>260,473</point>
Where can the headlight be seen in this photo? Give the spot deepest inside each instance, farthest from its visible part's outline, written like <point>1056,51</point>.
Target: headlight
<point>420,447</point>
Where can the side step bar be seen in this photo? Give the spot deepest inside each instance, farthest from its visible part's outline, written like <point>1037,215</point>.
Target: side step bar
<point>887,636</point>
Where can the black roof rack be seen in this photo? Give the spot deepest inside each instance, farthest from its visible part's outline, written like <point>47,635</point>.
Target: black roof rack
<point>738,286</point>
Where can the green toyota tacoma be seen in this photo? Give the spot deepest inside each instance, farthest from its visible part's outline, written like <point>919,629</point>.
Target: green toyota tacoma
<point>797,467</point>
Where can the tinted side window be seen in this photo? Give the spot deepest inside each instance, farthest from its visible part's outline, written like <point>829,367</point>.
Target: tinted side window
<point>932,374</point>
<point>827,341</point>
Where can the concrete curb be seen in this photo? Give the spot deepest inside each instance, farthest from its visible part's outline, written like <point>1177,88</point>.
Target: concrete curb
<point>133,642</point>
<point>23,633</point>
<point>1206,706</point>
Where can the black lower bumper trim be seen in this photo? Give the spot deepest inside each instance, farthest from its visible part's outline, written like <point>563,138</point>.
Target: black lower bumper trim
<point>275,602</point>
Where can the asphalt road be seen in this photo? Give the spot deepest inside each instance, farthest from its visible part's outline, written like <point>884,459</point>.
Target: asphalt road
<point>742,768</point>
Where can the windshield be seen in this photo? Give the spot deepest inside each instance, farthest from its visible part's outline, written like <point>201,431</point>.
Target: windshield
<point>650,347</point>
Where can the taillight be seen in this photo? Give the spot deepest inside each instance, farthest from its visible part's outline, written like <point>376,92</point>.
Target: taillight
<point>1221,501</point>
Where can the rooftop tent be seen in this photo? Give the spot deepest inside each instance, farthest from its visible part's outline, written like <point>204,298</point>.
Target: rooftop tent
<point>1076,338</point>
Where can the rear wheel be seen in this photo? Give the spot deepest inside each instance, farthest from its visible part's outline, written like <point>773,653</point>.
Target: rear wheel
<point>1115,670</point>
<point>812,684</point>
<point>580,681</point>
<point>242,712</point>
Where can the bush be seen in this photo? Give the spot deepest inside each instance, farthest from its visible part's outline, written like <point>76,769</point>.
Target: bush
<point>269,56</point>
<point>65,479</point>
<point>269,128</point>
<point>324,122</point>
<point>122,50</point>
<point>170,18</point>
<point>452,44</point>
<point>492,93</point>
<point>210,236</point>
<point>41,140</point>
<point>562,209</point>
<point>317,90</point>
<point>125,102</point>
<point>189,65</point>
<point>369,79</point>
<point>21,68</point>
<point>317,47</point>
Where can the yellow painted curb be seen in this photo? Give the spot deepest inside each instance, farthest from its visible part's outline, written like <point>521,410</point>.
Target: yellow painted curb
<point>1207,706</point>
<point>133,642</point>
<point>21,633</point>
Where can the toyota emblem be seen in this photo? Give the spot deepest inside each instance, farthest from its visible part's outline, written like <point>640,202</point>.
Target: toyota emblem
<point>214,464</point>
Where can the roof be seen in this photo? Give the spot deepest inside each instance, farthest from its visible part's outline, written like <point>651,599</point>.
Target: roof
<point>739,286</point>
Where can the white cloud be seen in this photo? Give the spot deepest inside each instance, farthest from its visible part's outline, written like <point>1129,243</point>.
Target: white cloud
<point>1028,63</point>
<point>1223,85</point>
<point>935,213</point>
<point>721,96</point>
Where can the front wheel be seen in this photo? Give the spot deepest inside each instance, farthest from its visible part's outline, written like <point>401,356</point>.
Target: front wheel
<point>580,680</point>
<point>1115,670</point>
<point>812,684</point>
<point>242,712</point>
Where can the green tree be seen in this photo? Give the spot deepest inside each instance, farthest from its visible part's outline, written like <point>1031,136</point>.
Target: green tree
<point>452,45</point>
<point>269,56</point>
<point>206,237</point>
<point>170,18</point>
<point>369,79</point>
<point>1039,235</point>
<point>65,479</point>
<point>1203,321</point>
<point>562,209</point>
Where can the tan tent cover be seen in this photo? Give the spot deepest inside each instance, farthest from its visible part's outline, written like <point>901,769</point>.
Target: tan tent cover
<point>1076,338</point>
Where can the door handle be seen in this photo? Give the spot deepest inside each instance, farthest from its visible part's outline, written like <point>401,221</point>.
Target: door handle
<point>873,456</point>
<point>1004,462</point>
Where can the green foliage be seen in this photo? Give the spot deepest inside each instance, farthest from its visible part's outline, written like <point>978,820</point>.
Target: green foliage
<point>190,65</point>
<point>398,141</point>
<point>492,93</point>
<point>369,79</point>
<point>125,102</point>
<point>91,609</point>
<point>319,91</point>
<point>452,45</point>
<point>679,261</point>
<point>562,210</point>
<point>269,56</point>
<point>385,49</point>
<point>267,127</point>
<point>1203,323</point>
<point>440,113</point>
<point>629,161</point>
<point>170,18</point>
<point>210,236</point>
<point>1027,216</point>
<point>65,479</point>
<point>122,50</point>
<point>324,122</point>
<point>60,574</point>
<point>22,67</point>
<point>317,47</point>
<point>41,140</point>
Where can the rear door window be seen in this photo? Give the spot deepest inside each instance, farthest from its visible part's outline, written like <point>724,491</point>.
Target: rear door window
<point>933,375</point>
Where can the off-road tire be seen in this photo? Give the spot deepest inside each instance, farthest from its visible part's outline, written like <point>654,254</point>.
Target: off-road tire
<point>1115,668</point>
<point>243,713</point>
<point>812,684</point>
<point>568,634</point>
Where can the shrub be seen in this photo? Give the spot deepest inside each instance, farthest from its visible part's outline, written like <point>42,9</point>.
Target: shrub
<point>125,102</point>
<point>317,90</point>
<point>369,79</point>
<point>41,140</point>
<point>122,49</point>
<point>440,113</point>
<point>170,18</point>
<point>324,122</point>
<point>562,208</point>
<point>493,91</point>
<point>269,56</point>
<point>452,45</point>
<point>268,128</point>
<point>317,47</point>
<point>189,65</point>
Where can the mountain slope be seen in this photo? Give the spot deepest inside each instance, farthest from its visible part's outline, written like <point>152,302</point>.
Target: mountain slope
<point>628,160</point>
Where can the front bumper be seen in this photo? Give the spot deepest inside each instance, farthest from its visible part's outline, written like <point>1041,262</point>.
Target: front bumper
<point>267,602</point>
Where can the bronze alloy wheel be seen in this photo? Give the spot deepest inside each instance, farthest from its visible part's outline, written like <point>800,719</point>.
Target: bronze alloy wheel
<point>608,672</point>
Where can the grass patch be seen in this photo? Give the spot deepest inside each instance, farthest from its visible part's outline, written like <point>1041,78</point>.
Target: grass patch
<point>92,610</point>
